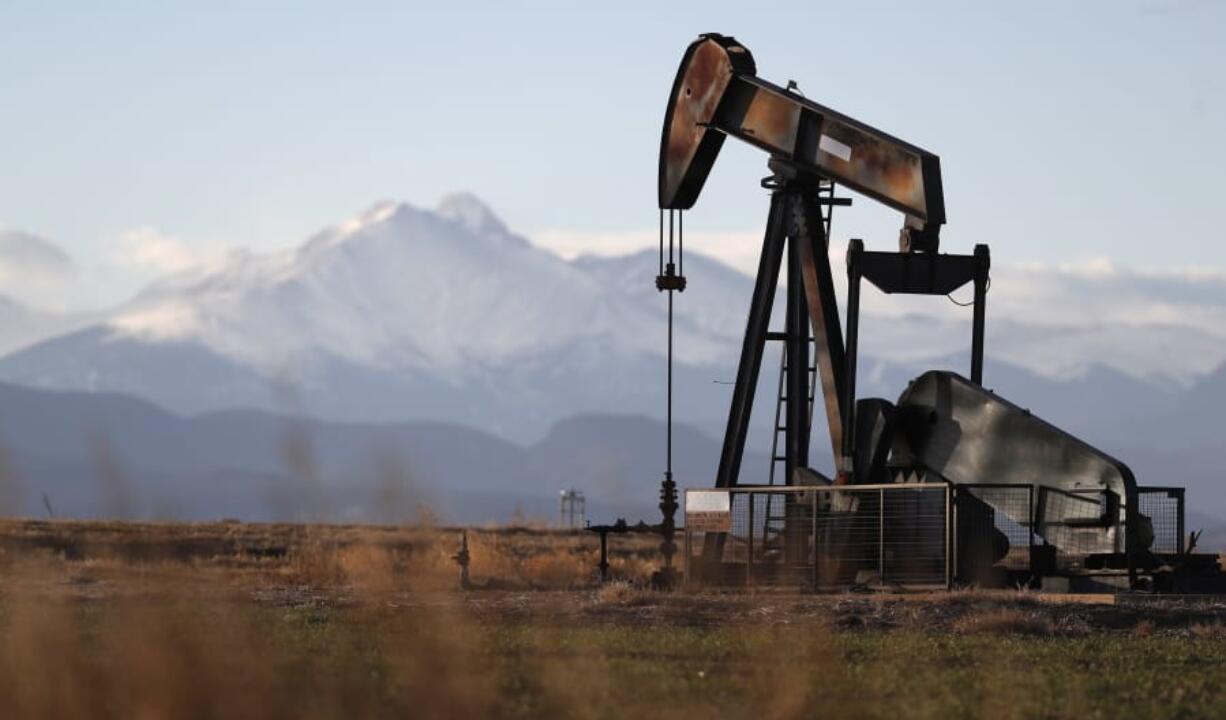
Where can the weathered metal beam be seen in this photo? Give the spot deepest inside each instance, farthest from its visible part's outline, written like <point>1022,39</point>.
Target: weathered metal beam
<point>755,340</point>
<point>812,250</point>
<point>716,93</point>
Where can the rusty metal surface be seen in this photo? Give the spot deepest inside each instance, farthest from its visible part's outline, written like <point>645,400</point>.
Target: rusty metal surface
<point>823,316</point>
<point>688,146</point>
<point>871,164</point>
<point>716,92</point>
<point>772,120</point>
<point>833,146</point>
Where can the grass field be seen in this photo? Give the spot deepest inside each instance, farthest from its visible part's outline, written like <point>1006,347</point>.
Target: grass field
<point>231,620</point>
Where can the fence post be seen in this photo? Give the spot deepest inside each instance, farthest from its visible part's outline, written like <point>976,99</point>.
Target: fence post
<point>687,577</point>
<point>813,533</point>
<point>1180,546</point>
<point>749,557</point>
<point>954,497</point>
<point>1030,531</point>
<point>949,510</point>
<point>881,536</point>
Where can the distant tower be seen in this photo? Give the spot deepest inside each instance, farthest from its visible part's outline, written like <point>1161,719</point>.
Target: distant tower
<point>572,509</point>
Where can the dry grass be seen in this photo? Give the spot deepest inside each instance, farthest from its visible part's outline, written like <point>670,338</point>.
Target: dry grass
<point>156,620</point>
<point>1004,621</point>
<point>1208,631</point>
<point>226,620</point>
<point>625,594</point>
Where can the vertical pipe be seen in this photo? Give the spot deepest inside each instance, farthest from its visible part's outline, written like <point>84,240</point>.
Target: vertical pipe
<point>661,272</point>
<point>668,463</point>
<point>670,237</point>
<point>982,266</point>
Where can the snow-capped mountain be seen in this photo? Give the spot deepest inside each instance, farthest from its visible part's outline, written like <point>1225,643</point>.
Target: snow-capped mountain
<point>445,317</point>
<point>398,313</point>
<point>396,289</point>
<point>404,313</point>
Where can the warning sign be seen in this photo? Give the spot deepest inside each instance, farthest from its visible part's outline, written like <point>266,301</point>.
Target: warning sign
<point>708,511</point>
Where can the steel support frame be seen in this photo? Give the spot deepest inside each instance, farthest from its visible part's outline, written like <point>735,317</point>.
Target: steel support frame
<point>794,225</point>
<point>907,273</point>
<point>756,328</point>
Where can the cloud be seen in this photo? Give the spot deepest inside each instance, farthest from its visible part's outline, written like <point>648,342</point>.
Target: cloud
<point>26,256</point>
<point>1091,291</point>
<point>1098,293</point>
<point>146,249</point>
<point>1055,319</point>
<point>738,248</point>
<point>39,274</point>
<point>34,270</point>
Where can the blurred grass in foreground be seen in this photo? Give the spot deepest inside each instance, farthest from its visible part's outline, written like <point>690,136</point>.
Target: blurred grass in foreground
<point>243,621</point>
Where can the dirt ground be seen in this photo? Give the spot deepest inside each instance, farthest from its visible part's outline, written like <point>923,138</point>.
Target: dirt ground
<point>241,620</point>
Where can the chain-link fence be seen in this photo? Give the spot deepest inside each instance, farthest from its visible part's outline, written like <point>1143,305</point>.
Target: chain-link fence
<point>1080,525</point>
<point>995,539</point>
<point>1163,508</point>
<point>917,534</point>
<point>820,537</point>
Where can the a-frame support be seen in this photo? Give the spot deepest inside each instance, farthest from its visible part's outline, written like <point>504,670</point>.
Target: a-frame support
<point>793,224</point>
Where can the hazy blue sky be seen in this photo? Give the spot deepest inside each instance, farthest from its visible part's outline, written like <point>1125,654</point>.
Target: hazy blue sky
<point>1067,131</point>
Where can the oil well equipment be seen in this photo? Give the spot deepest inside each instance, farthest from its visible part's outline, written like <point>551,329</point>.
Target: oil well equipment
<point>948,483</point>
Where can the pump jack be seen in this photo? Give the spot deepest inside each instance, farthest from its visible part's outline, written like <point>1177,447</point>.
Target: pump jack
<point>944,427</point>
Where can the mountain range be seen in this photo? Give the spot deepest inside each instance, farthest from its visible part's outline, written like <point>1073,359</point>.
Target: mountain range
<point>83,454</point>
<point>441,341</point>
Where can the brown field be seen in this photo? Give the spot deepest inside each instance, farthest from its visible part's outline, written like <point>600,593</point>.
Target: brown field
<point>232,620</point>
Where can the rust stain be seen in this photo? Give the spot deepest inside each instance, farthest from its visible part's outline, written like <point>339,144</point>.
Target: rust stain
<point>876,165</point>
<point>773,120</point>
<point>706,78</point>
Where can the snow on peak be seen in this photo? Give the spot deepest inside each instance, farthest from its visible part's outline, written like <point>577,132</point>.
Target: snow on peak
<point>374,215</point>
<point>468,211</point>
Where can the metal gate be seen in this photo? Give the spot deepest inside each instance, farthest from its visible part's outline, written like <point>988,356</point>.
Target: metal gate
<point>1163,508</point>
<point>995,541</point>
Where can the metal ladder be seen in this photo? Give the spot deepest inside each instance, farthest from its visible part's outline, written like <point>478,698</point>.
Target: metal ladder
<point>780,423</point>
